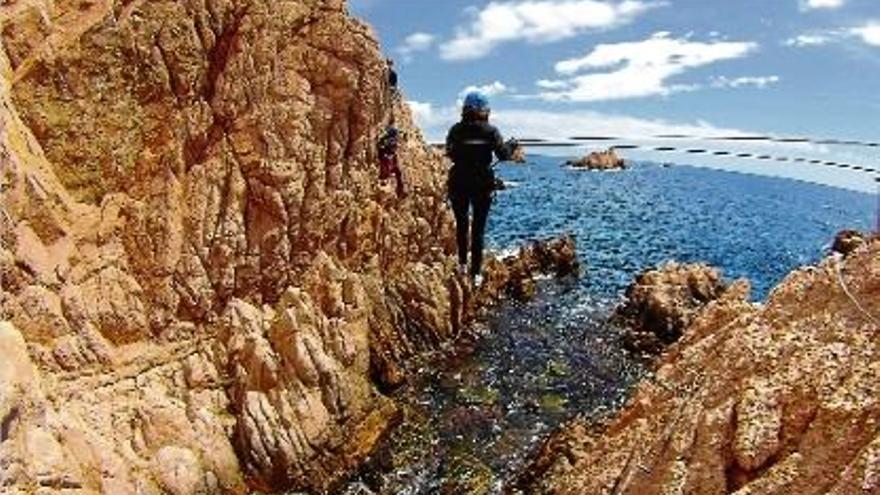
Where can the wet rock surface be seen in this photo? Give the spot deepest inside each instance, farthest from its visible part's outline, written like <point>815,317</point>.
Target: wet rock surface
<point>663,301</point>
<point>514,275</point>
<point>774,398</point>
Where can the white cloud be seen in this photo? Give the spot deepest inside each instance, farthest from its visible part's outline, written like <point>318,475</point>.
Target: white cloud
<point>557,125</point>
<point>805,40</point>
<point>432,118</point>
<point>637,69</point>
<point>416,42</point>
<point>759,82</point>
<point>493,89</point>
<point>869,33</point>
<point>436,120</point>
<point>821,4</point>
<point>420,110</point>
<point>426,115</point>
<point>548,84</point>
<point>537,21</point>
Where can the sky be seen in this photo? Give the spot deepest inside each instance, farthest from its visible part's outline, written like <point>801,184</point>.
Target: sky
<point>641,68</point>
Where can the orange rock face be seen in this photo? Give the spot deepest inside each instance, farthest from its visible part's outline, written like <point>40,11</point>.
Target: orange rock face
<point>779,398</point>
<point>663,301</point>
<point>600,160</point>
<point>202,277</point>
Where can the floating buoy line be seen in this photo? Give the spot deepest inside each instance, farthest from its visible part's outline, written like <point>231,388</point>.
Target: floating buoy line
<point>626,143</point>
<point>621,144</point>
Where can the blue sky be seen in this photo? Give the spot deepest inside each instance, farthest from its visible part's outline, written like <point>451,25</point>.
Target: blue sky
<point>637,68</point>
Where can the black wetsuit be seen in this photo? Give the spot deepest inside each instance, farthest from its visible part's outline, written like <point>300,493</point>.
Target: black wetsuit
<point>470,145</point>
<point>392,79</point>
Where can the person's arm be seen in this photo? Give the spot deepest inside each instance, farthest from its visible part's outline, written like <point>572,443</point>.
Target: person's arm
<point>451,141</point>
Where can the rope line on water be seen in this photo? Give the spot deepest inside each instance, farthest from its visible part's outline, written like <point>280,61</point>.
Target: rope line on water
<point>571,141</point>
<point>744,138</point>
<point>541,143</point>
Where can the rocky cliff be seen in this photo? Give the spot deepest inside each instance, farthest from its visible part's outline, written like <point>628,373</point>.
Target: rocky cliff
<point>204,285</point>
<point>779,398</point>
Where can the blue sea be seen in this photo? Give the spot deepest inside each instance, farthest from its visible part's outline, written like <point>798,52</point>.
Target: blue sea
<point>750,226</point>
<point>474,415</point>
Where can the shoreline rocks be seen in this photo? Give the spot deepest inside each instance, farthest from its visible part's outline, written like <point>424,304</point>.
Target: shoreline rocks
<point>662,302</point>
<point>512,277</point>
<point>755,398</point>
<point>599,160</point>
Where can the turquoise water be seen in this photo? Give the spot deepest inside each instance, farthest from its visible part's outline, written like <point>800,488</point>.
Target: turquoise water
<point>474,414</point>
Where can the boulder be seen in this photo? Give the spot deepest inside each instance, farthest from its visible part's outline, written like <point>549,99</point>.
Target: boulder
<point>663,301</point>
<point>514,275</point>
<point>599,160</point>
<point>847,241</point>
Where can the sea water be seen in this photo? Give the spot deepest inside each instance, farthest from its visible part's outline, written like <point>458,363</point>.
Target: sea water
<point>750,226</point>
<point>472,417</point>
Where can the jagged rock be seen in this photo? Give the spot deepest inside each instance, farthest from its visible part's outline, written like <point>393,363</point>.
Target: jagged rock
<point>847,241</point>
<point>17,379</point>
<point>662,302</point>
<point>756,398</point>
<point>599,160</point>
<point>197,255</point>
<point>514,276</point>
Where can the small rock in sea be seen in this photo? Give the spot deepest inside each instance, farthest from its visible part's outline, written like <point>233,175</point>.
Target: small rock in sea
<point>599,160</point>
<point>848,241</point>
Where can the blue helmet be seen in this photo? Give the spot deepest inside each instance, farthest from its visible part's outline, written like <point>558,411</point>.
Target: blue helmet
<point>476,101</point>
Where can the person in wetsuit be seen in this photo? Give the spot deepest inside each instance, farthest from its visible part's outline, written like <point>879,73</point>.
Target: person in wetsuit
<point>392,78</point>
<point>388,162</point>
<point>471,144</point>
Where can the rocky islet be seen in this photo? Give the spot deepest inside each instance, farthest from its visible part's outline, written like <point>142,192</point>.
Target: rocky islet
<point>599,160</point>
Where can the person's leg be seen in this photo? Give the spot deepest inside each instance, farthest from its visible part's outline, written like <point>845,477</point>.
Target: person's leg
<point>398,175</point>
<point>481,202</point>
<point>460,203</point>
<point>384,167</point>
